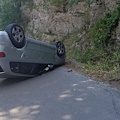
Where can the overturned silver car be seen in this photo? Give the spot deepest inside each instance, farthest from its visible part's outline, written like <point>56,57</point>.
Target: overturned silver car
<point>24,56</point>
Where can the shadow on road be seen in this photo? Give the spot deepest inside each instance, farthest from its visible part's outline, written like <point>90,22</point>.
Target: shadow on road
<point>11,81</point>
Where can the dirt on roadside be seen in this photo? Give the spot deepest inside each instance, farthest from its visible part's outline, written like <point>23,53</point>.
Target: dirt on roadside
<point>79,67</point>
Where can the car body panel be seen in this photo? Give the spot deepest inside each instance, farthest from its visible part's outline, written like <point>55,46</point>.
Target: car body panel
<point>34,51</point>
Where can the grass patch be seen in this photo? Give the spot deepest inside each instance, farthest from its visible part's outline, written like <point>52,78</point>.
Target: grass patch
<point>103,58</point>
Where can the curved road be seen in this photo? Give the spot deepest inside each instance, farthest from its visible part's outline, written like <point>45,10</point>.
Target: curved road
<point>58,95</point>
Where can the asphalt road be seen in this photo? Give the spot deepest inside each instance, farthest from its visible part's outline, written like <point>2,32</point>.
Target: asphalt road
<point>58,95</point>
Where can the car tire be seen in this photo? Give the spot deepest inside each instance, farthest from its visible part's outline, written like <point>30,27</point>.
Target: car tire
<point>16,35</point>
<point>60,49</point>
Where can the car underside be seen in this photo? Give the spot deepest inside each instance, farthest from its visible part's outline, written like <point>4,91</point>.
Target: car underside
<point>27,57</point>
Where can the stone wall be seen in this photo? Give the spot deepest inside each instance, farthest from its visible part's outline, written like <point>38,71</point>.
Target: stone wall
<point>48,23</point>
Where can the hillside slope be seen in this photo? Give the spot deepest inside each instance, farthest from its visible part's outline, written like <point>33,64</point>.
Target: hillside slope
<point>90,30</point>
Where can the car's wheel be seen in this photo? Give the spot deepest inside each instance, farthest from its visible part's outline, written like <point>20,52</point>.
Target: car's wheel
<point>16,35</point>
<point>60,49</point>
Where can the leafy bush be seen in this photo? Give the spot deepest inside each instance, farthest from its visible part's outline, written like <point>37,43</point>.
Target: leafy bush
<point>103,58</point>
<point>100,33</point>
<point>9,13</point>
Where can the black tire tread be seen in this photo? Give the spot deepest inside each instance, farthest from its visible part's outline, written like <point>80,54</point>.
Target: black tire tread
<point>8,29</point>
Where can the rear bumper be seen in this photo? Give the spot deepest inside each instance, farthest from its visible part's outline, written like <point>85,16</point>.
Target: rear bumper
<point>6,72</point>
<point>20,69</point>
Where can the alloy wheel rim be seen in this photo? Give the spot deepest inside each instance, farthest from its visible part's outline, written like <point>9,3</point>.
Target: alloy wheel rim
<point>18,34</point>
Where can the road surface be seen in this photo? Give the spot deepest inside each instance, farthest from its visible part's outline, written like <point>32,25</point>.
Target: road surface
<point>58,95</point>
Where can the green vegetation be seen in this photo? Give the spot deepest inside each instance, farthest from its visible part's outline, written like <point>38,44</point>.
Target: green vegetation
<point>100,33</point>
<point>9,13</point>
<point>72,2</point>
<point>102,58</point>
<point>89,2</point>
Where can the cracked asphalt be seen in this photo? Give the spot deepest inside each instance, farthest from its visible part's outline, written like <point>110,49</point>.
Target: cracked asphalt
<point>58,95</point>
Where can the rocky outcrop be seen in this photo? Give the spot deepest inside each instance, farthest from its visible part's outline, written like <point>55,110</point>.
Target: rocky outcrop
<point>49,22</point>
